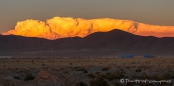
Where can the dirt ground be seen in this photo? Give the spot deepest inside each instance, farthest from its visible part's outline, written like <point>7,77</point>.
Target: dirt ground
<point>72,71</point>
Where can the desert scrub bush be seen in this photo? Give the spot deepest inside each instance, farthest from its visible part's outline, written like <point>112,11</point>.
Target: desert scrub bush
<point>135,76</point>
<point>65,72</point>
<point>97,73</point>
<point>109,76</point>
<point>43,64</point>
<point>144,76</point>
<point>91,75</point>
<point>138,70</point>
<point>85,71</point>
<point>98,81</point>
<point>17,77</point>
<point>77,68</point>
<point>114,75</point>
<point>80,84</point>
<point>105,69</point>
<point>156,77</point>
<point>172,77</point>
<point>166,76</point>
<point>70,63</point>
<point>121,73</point>
<point>117,83</point>
<point>81,69</point>
<point>28,77</point>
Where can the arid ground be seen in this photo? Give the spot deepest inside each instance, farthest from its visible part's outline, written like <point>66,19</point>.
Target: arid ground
<point>85,71</point>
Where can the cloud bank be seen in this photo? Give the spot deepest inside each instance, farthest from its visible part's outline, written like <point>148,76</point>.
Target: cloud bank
<point>62,27</point>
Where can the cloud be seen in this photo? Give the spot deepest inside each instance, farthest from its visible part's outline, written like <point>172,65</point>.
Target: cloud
<point>61,27</point>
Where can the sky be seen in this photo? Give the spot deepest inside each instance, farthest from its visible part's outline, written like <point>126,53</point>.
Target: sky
<point>156,12</point>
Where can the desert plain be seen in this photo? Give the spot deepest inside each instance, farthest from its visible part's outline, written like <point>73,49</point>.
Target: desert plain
<point>91,71</point>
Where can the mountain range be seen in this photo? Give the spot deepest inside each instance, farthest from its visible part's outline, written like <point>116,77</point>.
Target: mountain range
<point>111,42</point>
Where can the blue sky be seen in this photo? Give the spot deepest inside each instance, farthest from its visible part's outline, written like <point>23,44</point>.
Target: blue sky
<point>158,12</point>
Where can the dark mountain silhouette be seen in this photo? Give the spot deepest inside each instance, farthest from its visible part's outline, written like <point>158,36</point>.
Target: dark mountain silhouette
<point>115,39</point>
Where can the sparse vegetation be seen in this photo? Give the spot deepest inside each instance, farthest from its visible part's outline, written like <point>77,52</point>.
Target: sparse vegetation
<point>81,69</point>
<point>65,72</point>
<point>70,63</point>
<point>166,76</point>
<point>85,71</point>
<point>29,77</point>
<point>97,73</point>
<point>43,64</point>
<point>98,81</point>
<point>114,75</point>
<point>117,84</point>
<point>91,75</point>
<point>17,77</point>
<point>144,76</point>
<point>105,69</point>
<point>138,70</point>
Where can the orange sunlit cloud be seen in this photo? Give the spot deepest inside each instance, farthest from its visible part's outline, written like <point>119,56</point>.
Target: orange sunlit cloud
<point>60,27</point>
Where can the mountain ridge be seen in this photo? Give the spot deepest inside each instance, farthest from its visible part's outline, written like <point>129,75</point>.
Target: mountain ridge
<point>114,38</point>
<point>114,42</point>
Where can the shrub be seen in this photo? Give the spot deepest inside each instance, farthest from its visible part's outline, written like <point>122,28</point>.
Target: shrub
<point>29,77</point>
<point>77,68</point>
<point>85,71</point>
<point>166,76</point>
<point>81,69</point>
<point>109,76</point>
<point>81,84</point>
<point>117,84</point>
<point>17,77</point>
<point>97,73</point>
<point>114,75</point>
<point>138,70</point>
<point>156,77</point>
<point>105,69</point>
<point>144,76</point>
<point>91,75</point>
<point>43,64</point>
<point>99,81</point>
<point>65,72</point>
<point>172,77</point>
